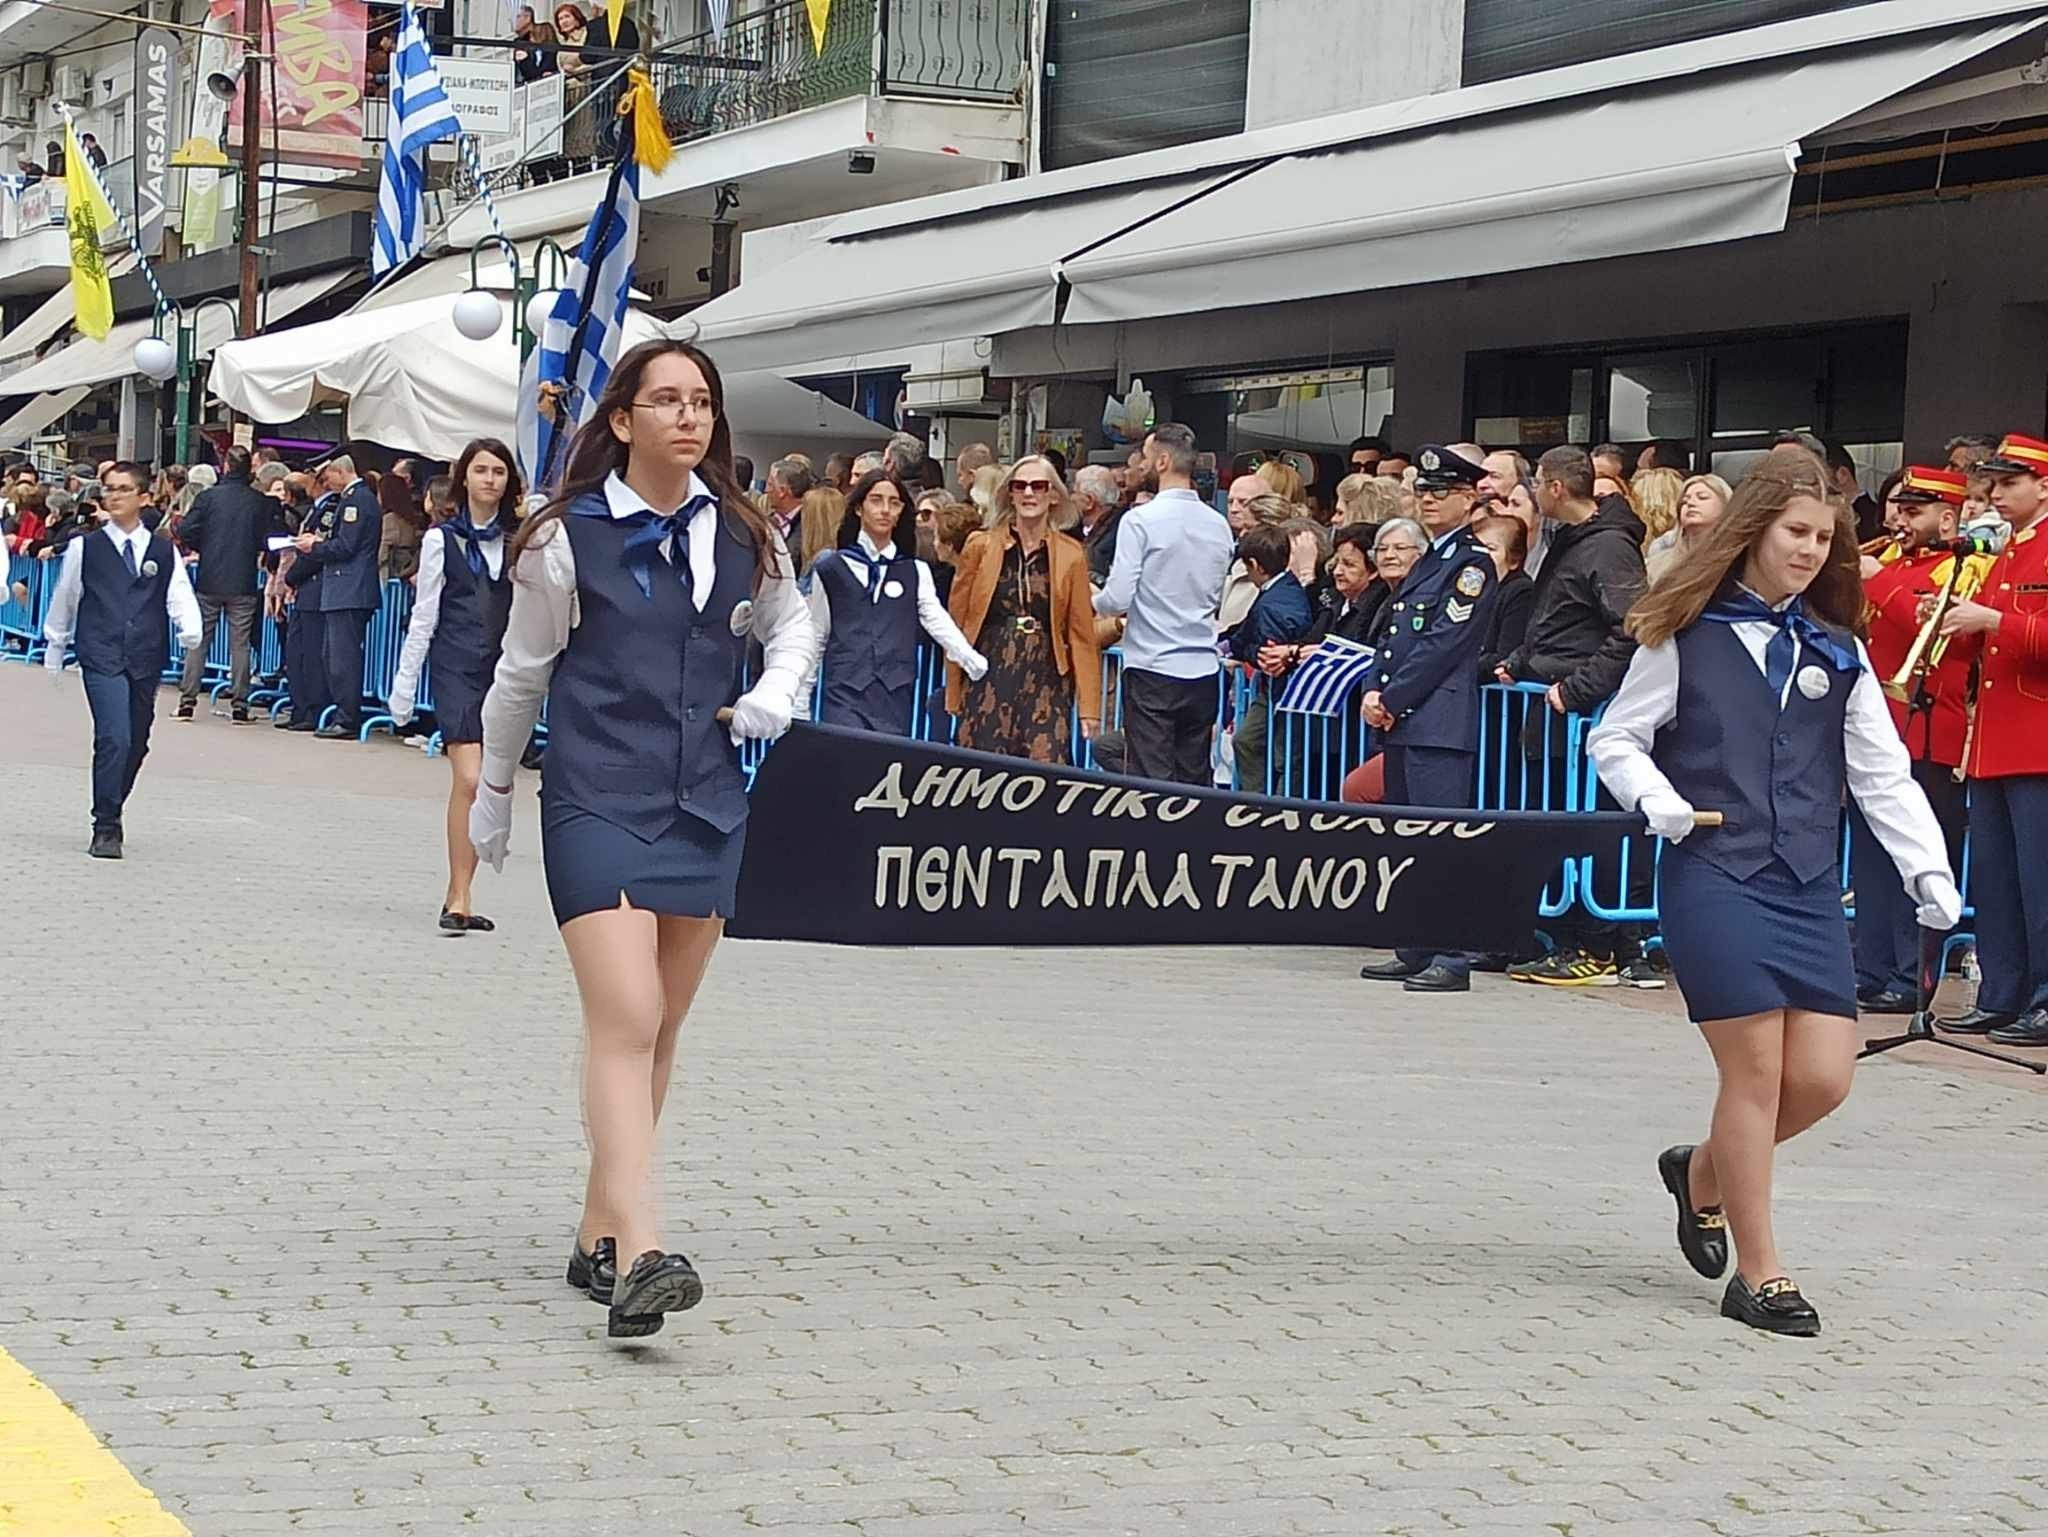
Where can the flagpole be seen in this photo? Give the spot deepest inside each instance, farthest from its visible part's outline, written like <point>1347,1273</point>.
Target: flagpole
<point>252,159</point>
<point>586,304</point>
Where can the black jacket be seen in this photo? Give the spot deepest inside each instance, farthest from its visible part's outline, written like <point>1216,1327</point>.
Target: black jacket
<point>1514,600</point>
<point>1100,545</point>
<point>1591,576</point>
<point>229,526</point>
<point>1360,622</point>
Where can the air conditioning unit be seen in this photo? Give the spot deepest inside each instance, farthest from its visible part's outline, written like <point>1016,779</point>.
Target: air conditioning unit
<point>104,92</point>
<point>35,79</point>
<point>71,84</point>
<point>12,107</point>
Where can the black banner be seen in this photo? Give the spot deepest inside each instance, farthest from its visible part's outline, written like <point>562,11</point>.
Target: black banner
<point>854,838</point>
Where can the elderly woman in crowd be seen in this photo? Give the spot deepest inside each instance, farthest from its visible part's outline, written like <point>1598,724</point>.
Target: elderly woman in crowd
<point>1701,501</point>
<point>1239,590</point>
<point>1395,551</point>
<point>1021,598</point>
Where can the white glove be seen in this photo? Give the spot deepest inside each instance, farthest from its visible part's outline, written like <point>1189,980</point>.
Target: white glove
<point>1668,813</point>
<point>1941,905</point>
<point>401,704</point>
<point>760,714</point>
<point>976,667</point>
<point>490,825</point>
<point>189,641</point>
<point>53,661</point>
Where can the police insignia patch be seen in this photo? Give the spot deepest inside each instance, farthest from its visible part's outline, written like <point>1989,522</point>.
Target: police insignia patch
<point>349,516</point>
<point>1431,460</point>
<point>1458,612</point>
<point>1471,582</point>
<point>1418,621</point>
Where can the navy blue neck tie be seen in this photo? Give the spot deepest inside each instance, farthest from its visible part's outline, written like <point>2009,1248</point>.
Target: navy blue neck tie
<point>1793,629</point>
<point>651,531</point>
<point>473,540</point>
<point>128,558</point>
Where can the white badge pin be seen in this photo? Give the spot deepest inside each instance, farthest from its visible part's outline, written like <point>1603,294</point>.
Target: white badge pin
<point>742,616</point>
<point>149,568</point>
<point>1813,682</point>
<point>892,588</point>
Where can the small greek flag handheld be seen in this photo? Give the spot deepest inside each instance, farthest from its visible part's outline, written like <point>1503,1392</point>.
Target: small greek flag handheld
<point>420,115</point>
<point>586,330</point>
<point>1326,675</point>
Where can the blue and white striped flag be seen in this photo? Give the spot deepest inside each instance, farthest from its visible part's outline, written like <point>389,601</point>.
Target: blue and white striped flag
<point>1326,675</point>
<point>585,332</point>
<point>420,115</point>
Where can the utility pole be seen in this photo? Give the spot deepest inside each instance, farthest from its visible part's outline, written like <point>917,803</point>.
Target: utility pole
<point>252,157</point>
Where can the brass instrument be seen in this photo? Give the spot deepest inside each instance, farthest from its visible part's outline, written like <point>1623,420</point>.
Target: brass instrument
<point>1965,581</point>
<point>1881,542</point>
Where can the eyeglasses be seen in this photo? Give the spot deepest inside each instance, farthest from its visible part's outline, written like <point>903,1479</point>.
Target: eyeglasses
<point>1017,487</point>
<point>667,410</point>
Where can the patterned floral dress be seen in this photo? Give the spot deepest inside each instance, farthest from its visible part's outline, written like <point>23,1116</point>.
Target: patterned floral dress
<point>1023,708</point>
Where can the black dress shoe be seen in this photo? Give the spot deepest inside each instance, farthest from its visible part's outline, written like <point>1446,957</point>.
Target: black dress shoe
<point>1388,971</point>
<point>658,1283</point>
<point>596,1272</point>
<point>1438,979</point>
<point>106,844</point>
<point>477,923</point>
<point>186,708</point>
<point>309,727</point>
<point>2027,1030</point>
<point>1775,1306</point>
<point>333,733</point>
<point>239,716</point>
<point>1977,1022</point>
<point>1888,1002</point>
<point>283,722</point>
<point>454,923</point>
<point>1702,1233</point>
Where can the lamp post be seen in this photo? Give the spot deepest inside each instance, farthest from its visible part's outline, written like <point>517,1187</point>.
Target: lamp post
<point>159,360</point>
<point>478,312</point>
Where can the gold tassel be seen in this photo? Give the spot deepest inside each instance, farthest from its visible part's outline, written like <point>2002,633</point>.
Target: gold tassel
<point>651,146</point>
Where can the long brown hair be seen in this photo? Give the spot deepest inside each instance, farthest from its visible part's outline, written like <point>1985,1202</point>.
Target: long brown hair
<point>397,499</point>
<point>905,531</point>
<point>515,491</point>
<point>595,453</point>
<point>1836,594</point>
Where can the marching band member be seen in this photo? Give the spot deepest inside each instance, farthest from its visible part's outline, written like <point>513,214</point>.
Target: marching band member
<point>634,593</point>
<point>870,597</point>
<point>1756,630</point>
<point>112,594</point>
<point>461,597</point>
<point>1925,503</point>
<point>2006,629</point>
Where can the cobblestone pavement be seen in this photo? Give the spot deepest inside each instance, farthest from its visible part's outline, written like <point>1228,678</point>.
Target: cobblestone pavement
<point>1076,1243</point>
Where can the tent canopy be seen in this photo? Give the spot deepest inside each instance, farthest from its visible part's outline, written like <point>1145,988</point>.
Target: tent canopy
<point>38,413</point>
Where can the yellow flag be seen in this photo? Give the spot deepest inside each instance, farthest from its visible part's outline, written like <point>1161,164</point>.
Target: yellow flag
<point>821,12</point>
<point>87,213</point>
<point>613,10</point>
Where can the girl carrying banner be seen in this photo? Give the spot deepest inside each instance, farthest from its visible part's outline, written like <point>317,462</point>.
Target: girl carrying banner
<point>1751,696</point>
<point>634,593</point>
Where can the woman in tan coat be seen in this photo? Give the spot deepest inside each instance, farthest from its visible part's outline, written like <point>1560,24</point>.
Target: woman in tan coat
<point>1021,597</point>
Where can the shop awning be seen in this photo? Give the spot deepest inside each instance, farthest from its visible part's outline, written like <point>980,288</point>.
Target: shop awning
<point>90,362</point>
<point>1680,163</point>
<point>971,274</point>
<point>38,414</point>
<point>49,317</point>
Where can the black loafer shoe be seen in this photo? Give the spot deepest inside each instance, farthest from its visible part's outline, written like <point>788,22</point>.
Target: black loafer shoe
<point>658,1283</point>
<point>453,923</point>
<point>1388,971</point>
<point>1702,1234</point>
<point>106,844</point>
<point>1438,979</point>
<point>333,733</point>
<point>1888,1002</point>
<point>476,923</point>
<point>186,710</point>
<point>310,728</point>
<point>597,1272</point>
<point>1977,1022</point>
<point>2027,1030</point>
<point>282,722</point>
<point>1775,1307</point>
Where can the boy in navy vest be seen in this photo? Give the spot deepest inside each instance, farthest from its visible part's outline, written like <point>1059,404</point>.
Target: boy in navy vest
<point>116,586</point>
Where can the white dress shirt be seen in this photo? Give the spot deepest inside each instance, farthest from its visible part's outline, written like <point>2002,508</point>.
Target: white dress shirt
<point>545,609</point>
<point>1173,561</point>
<point>1880,774</point>
<point>60,620</point>
<point>931,613</point>
<point>426,613</point>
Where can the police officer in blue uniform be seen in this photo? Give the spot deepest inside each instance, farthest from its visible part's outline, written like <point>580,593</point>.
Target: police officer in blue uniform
<point>349,590</point>
<point>1426,705</point>
<point>305,636</point>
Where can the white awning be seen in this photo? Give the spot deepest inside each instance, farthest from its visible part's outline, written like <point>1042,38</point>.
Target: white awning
<point>91,362</point>
<point>1678,163</point>
<point>970,275</point>
<point>38,414</point>
<point>51,316</point>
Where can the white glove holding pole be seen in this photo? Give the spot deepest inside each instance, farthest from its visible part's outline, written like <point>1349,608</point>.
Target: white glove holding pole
<point>1669,814</point>
<point>1941,905</point>
<point>490,826</point>
<point>760,714</point>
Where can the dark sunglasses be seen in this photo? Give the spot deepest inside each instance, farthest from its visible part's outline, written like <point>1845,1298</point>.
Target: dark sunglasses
<point>1040,486</point>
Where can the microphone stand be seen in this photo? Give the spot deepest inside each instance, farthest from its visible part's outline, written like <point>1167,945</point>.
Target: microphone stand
<point>1919,1029</point>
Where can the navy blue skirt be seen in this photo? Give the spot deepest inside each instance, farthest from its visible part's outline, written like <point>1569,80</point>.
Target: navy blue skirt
<point>459,702</point>
<point>1748,947</point>
<point>691,871</point>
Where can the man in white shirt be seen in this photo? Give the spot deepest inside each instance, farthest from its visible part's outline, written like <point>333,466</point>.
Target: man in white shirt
<point>1172,555</point>
<point>114,590</point>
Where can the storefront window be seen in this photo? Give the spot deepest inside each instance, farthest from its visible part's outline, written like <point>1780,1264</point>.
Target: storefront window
<point>1316,411</point>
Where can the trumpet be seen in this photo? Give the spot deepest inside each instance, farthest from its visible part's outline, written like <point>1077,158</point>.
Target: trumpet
<point>1881,543</point>
<point>1965,580</point>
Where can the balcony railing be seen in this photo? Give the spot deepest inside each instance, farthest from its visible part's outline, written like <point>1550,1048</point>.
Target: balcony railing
<point>40,205</point>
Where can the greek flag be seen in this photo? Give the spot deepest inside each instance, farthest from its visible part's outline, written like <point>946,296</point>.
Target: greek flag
<point>420,115</point>
<point>1326,675</point>
<point>585,332</point>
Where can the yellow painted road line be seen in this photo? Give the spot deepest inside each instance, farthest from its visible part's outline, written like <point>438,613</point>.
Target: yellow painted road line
<point>56,1480</point>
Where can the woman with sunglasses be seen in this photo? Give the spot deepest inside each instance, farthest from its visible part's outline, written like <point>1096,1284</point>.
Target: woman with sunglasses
<point>870,599</point>
<point>462,594</point>
<point>1023,584</point>
<point>635,592</point>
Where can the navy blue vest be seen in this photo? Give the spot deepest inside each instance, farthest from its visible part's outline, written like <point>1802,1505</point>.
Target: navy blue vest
<point>633,734</point>
<point>474,607</point>
<point>123,623</point>
<point>871,642</point>
<point>1775,774</point>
